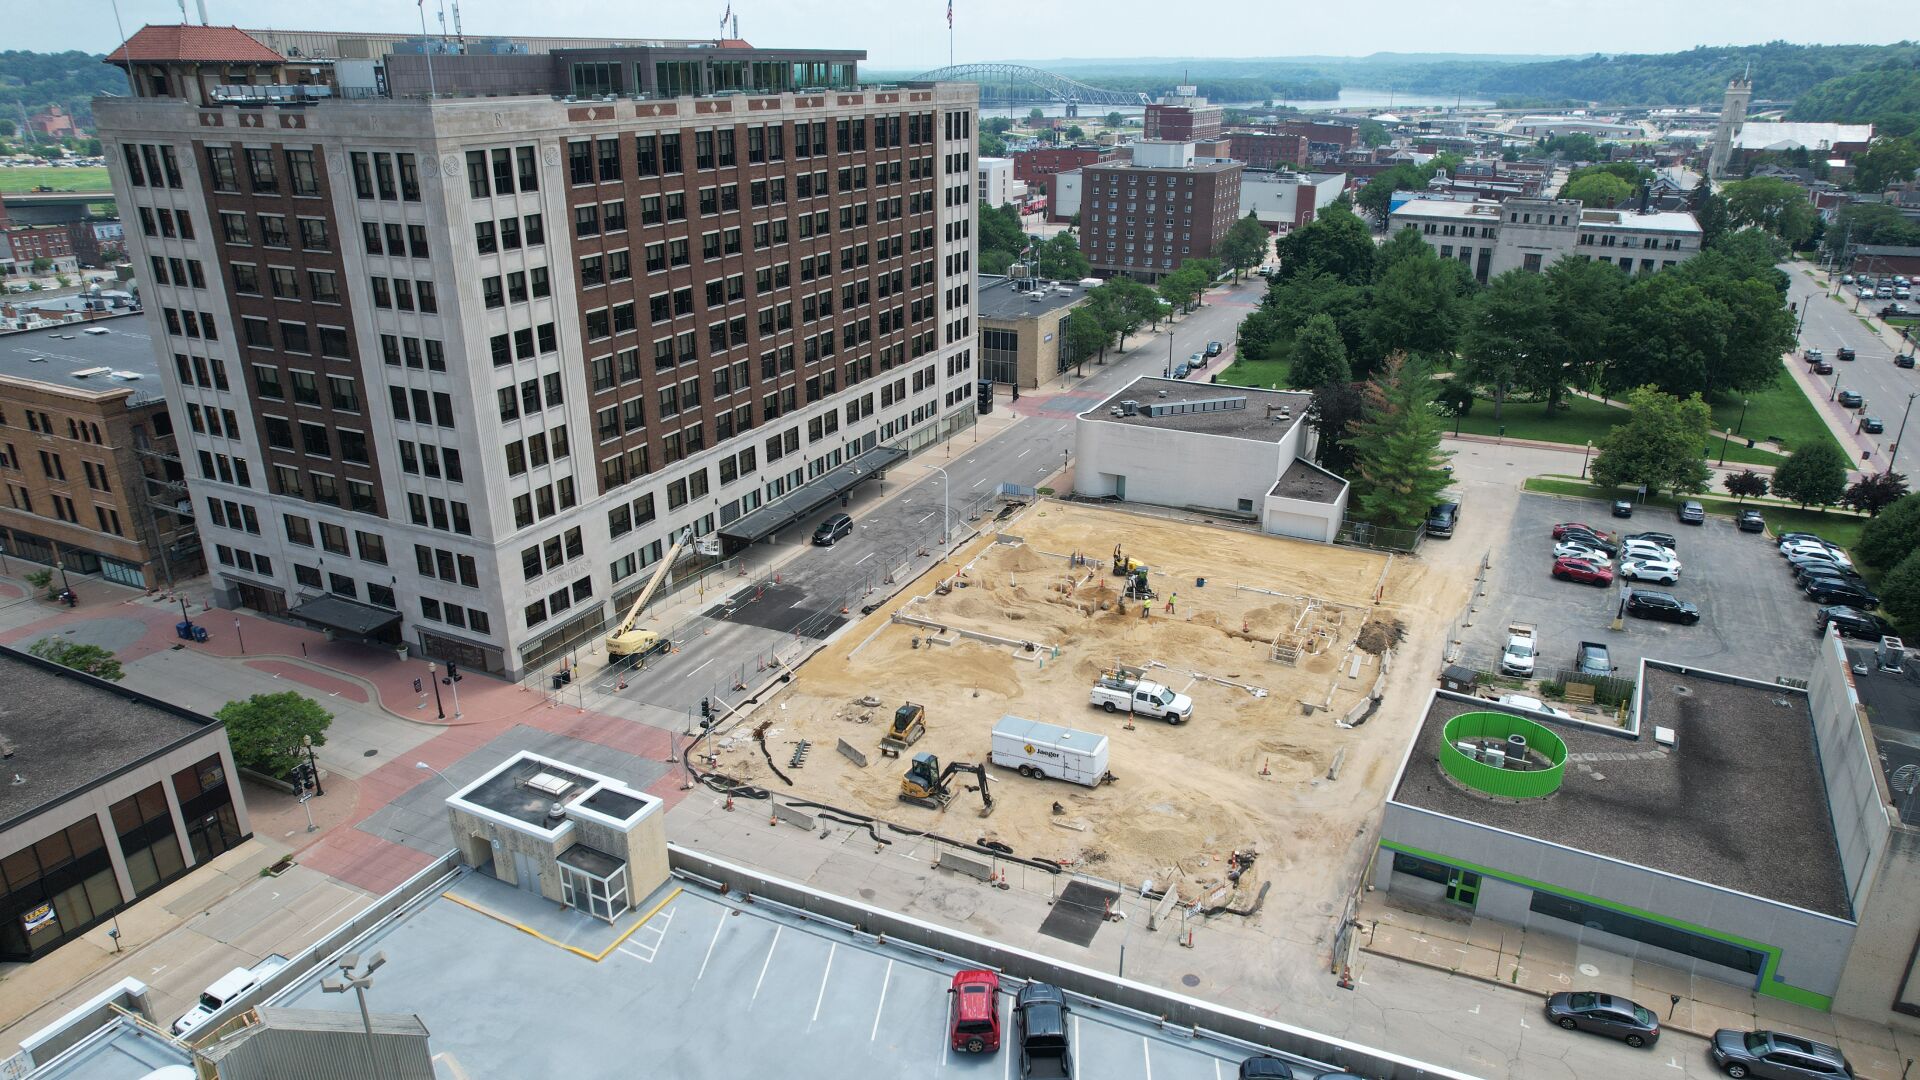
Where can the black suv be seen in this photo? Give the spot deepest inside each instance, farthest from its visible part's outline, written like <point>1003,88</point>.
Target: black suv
<point>1828,591</point>
<point>1441,519</point>
<point>1751,521</point>
<point>1214,349</point>
<point>1661,606</point>
<point>1852,622</point>
<point>1850,399</point>
<point>1843,353</point>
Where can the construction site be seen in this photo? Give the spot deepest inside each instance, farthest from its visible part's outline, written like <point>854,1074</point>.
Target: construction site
<point>1216,682</point>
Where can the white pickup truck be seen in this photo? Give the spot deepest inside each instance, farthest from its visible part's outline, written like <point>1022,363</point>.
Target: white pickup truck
<point>1522,645</point>
<point>1120,694</point>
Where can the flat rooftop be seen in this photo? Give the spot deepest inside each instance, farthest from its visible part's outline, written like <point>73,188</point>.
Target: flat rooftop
<point>1673,221</point>
<point>1892,699</point>
<point>123,1050</point>
<point>69,731</point>
<point>54,355</point>
<point>1308,482</point>
<point>1200,165</point>
<point>996,298</point>
<point>1251,422</point>
<point>1452,209</point>
<point>1737,802</point>
<point>816,999</point>
<point>507,791</point>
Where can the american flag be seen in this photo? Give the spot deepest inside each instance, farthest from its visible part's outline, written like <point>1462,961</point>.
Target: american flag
<point>949,14</point>
<point>725,18</point>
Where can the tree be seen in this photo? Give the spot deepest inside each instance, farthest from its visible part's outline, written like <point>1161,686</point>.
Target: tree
<point>1507,343</point>
<point>1891,535</point>
<point>1875,492</point>
<point>1059,259</point>
<point>41,264</point>
<point>1336,408</point>
<point>1815,474</point>
<point>1885,163</point>
<point>1745,485</point>
<point>266,730</point>
<point>1660,445</point>
<point>1374,133</point>
<point>1702,328</point>
<point>1597,188</point>
<point>7,129</point>
<point>1114,119</point>
<point>1584,301</point>
<point>1260,336</point>
<point>1336,242</point>
<point>1319,356</point>
<point>1900,593</point>
<point>1075,133</point>
<point>1710,210</point>
<point>1397,446</point>
<point>1001,238</point>
<point>1036,113</point>
<point>1417,300</point>
<point>91,659</point>
<point>1291,302</point>
<point>1773,204</point>
<point>1181,288</point>
<point>1377,197</point>
<point>1084,335</point>
<point>1245,245</point>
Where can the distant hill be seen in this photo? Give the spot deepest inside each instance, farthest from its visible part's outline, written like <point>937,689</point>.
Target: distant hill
<point>1888,98</point>
<point>33,81</point>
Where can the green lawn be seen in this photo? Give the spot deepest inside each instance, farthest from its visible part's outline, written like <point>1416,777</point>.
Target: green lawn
<point>1587,420</point>
<point>1781,411</point>
<point>1840,526</point>
<point>28,177</point>
<point>1267,373</point>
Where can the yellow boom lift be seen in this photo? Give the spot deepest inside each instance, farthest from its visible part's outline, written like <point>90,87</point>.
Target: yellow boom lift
<point>626,639</point>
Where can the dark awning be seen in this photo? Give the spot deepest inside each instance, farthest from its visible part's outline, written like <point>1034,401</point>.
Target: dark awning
<point>345,616</point>
<point>759,524</point>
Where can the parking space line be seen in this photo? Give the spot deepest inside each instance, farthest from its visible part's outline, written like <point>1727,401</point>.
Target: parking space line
<point>1146,1055</point>
<point>716,940</point>
<point>766,963</point>
<point>1075,1048</point>
<point>878,1009</point>
<point>824,976</point>
<point>1216,1070</point>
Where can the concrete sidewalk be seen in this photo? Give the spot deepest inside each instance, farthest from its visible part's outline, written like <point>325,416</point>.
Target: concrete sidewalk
<point>1536,964</point>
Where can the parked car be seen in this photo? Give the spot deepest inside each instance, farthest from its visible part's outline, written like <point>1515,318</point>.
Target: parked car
<point>1803,566</point>
<point>1813,355</point>
<point>1647,549</point>
<point>1822,591</point>
<point>1845,354</point>
<point>1604,1014</point>
<point>975,1011</point>
<point>1593,540</point>
<point>1522,701</point>
<point>1785,538</point>
<point>1660,571</point>
<point>223,990</point>
<point>1662,607</point>
<point>1591,658</point>
<point>1042,1011</point>
<point>836,528</point>
<point>1872,425</point>
<point>1852,622</point>
<point>1181,372</point>
<point>1822,368</point>
<point>1265,1068</point>
<point>1623,508</point>
<point>1442,518</point>
<point>1905,360</point>
<point>1582,571</point>
<point>1573,549</point>
<point>1851,399</point>
<point>1561,530</point>
<point>1214,348</point>
<point>1773,1055</point>
<point>1750,521</point>
<point>1665,540</point>
<point>1846,279</point>
<point>1818,549</point>
<point>1692,513</point>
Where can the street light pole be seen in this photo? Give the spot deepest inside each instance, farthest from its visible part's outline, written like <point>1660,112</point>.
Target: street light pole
<point>1895,454</point>
<point>1743,417</point>
<point>946,487</point>
<point>312,763</point>
<point>434,678</point>
<point>358,982</point>
<point>1583,459</point>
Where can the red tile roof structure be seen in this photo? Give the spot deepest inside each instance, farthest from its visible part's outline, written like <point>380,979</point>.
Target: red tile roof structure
<point>206,44</point>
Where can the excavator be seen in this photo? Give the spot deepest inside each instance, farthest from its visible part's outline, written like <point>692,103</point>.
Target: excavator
<point>626,639</point>
<point>927,784</point>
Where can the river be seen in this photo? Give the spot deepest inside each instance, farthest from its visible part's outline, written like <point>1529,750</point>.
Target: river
<point>1348,99</point>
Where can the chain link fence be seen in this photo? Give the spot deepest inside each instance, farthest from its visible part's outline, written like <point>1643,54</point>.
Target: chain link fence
<point>1378,537</point>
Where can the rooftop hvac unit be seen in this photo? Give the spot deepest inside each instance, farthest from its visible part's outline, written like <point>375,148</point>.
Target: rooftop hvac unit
<point>1130,408</point>
<point>1494,756</point>
<point>87,373</point>
<point>1517,746</point>
<point>1893,653</point>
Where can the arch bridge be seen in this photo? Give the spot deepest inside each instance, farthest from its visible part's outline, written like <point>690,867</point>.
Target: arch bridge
<point>1009,85</point>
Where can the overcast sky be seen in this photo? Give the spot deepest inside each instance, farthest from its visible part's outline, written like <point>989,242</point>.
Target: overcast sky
<point>913,33</point>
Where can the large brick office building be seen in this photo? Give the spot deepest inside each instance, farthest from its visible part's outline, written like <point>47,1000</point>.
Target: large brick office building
<point>1147,216</point>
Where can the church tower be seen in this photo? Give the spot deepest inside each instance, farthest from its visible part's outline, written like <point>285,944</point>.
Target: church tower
<point>1733,116</point>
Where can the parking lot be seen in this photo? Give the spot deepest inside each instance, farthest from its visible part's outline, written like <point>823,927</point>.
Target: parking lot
<point>1753,622</point>
<point>706,988</point>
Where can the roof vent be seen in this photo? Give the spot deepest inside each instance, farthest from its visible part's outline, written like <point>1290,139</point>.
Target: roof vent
<point>84,373</point>
<point>1683,691</point>
<point>556,812</point>
<point>1664,736</point>
<point>548,784</point>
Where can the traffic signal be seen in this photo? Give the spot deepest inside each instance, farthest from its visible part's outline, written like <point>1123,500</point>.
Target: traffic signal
<point>706,708</point>
<point>453,671</point>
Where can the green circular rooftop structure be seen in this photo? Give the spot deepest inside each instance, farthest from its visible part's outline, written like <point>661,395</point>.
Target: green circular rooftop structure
<point>1503,755</point>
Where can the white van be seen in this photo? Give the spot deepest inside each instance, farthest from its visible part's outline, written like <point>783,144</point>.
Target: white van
<point>225,989</point>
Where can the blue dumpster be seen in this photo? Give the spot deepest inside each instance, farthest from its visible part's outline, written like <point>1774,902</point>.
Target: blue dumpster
<point>184,630</point>
<point>200,634</point>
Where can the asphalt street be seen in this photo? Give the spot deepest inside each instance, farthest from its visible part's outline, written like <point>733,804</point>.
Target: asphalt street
<point>901,532</point>
<point>1830,324</point>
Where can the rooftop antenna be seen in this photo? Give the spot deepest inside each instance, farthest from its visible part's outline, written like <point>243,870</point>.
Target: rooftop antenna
<point>183,13</point>
<point>203,13</point>
<point>459,36</point>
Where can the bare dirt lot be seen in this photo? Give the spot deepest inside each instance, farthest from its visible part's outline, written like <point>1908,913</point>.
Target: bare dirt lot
<point>1247,773</point>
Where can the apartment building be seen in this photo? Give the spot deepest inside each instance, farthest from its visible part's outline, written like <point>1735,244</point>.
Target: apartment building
<point>1147,216</point>
<point>88,456</point>
<point>1531,233</point>
<point>1183,116</point>
<point>497,351</point>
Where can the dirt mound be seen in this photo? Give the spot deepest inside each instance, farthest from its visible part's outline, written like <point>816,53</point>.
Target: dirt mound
<point>1380,634</point>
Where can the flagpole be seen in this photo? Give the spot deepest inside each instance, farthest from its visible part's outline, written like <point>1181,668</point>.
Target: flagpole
<point>426,43</point>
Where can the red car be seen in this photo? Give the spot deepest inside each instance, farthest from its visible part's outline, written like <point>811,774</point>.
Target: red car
<point>1561,530</point>
<point>1570,569</point>
<point>975,1011</point>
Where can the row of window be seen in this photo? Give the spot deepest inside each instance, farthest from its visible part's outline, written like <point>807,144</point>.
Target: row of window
<point>283,283</point>
<point>331,342</point>
<point>263,171</point>
<point>237,229</point>
<point>80,430</point>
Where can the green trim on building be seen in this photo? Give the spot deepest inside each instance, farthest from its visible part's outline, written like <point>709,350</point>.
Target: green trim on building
<point>1501,781</point>
<point>1769,985</point>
